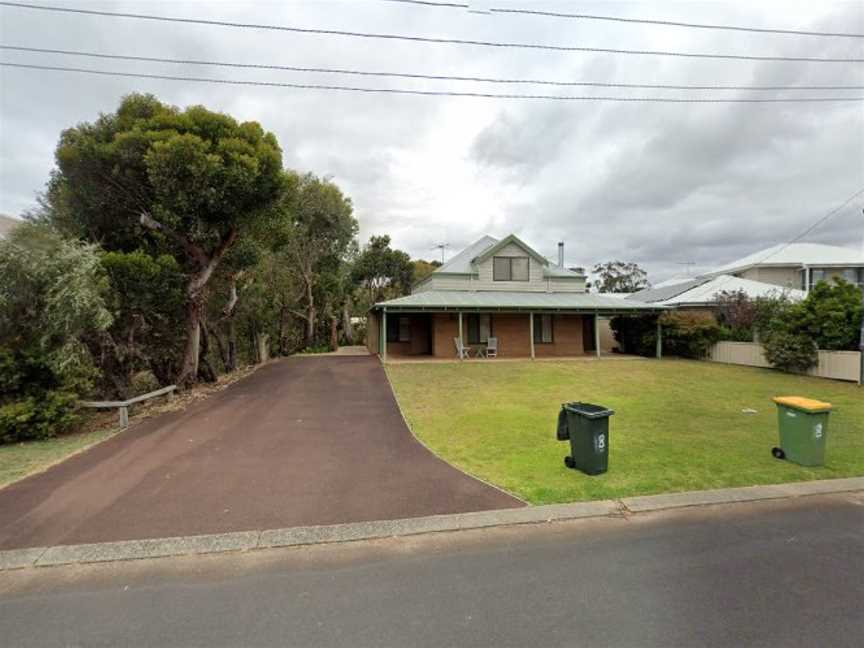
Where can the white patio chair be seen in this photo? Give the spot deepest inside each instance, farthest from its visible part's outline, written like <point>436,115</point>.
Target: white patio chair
<point>492,347</point>
<point>462,352</point>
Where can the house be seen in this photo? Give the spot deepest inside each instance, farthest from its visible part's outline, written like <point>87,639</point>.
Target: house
<point>700,293</point>
<point>7,224</point>
<point>501,289</point>
<point>798,265</point>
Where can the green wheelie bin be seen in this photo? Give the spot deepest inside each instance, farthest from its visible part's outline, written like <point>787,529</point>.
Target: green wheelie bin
<point>586,426</point>
<point>803,426</point>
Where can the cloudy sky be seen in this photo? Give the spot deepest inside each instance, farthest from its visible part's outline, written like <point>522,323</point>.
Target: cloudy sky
<point>659,184</point>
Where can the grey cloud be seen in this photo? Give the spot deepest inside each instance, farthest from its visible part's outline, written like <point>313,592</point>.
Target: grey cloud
<point>657,184</point>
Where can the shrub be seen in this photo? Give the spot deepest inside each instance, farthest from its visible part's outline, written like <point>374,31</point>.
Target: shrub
<point>790,351</point>
<point>634,334</point>
<point>830,316</point>
<point>685,334</point>
<point>689,334</point>
<point>34,418</point>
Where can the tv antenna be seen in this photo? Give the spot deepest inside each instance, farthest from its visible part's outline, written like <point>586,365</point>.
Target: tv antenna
<point>442,247</point>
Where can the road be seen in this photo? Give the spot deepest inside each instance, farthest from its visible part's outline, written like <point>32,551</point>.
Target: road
<point>782,573</point>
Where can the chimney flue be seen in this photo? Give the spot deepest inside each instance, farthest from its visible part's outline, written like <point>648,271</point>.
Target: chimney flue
<point>560,254</point>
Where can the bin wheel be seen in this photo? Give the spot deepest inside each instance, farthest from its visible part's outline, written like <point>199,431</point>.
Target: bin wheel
<point>568,461</point>
<point>778,453</point>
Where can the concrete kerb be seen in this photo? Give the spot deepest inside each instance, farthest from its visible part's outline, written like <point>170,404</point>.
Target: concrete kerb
<point>356,531</point>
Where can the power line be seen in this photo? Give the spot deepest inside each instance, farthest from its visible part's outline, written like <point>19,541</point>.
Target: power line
<point>429,93</point>
<point>804,233</point>
<point>406,75</point>
<point>429,39</point>
<point>621,19</point>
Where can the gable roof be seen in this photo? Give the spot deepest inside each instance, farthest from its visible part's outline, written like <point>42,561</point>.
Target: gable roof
<point>461,263</point>
<point>704,291</point>
<point>795,254</point>
<point>507,240</point>
<point>486,246</point>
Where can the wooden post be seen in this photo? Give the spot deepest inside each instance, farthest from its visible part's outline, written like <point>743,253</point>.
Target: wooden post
<point>384,335</point>
<point>124,417</point>
<point>461,341</point>
<point>597,335</point>
<point>659,340</point>
<point>531,332</point>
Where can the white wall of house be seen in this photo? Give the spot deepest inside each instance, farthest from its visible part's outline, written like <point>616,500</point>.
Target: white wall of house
<point>785,277</point>
<point>536,281</point>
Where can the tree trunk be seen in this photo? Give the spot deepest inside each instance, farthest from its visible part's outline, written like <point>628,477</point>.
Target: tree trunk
<point>189,369</point>
<point>310,315</point>
<point>263,345</point>
<point>334,335</point>
<point>231,365</point>
<point>205,369</point>
<point>347,328</point>
<point>195,295</point>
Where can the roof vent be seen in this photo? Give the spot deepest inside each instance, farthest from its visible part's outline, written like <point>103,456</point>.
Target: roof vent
<point>560,254</point>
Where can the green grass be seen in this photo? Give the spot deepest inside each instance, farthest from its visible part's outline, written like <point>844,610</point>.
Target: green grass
<point>678,424</point>
<point>21,459</point>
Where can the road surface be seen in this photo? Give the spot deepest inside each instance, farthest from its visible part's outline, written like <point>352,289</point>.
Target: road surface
<point>302,441</point>
<point>781,573</point>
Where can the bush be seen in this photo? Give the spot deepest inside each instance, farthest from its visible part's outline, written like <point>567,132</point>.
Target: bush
<point>790,351</point>
<point>34,418</point>
<point>635,335</point>
<point>830,316</point>
<point>34,401</point>
<point>685,334</point>
<point>689,334</point>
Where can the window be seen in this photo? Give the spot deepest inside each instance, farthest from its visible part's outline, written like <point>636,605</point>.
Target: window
<point>816,276</point>
<point>398,329</point>
<point>479,328</point>
<point>543,329</point>
<point>851,275</point>
<point>510,268</point>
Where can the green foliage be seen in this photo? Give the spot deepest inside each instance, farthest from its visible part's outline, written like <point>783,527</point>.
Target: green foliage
<point>790,351</point>
<point>620,277</point>
<point>636,335</point>
<point>737,315</point>
<point>383,270</point>
<point>830,316</point>
<point>423,269</point>
<point>197,172</point>
<point>33,401</point>
<point>689,334</point>
<point>34,418</point>
<point>52,299</point>
<point>147,300</point>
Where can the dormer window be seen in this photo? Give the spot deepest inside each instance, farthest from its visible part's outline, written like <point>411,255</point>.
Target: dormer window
<point>510,268</point>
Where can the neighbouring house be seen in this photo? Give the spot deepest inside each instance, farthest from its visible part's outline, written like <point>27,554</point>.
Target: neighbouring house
<point>700,293</point>
<point>798,265</point>
<point>501,289</point>
<point>7,224</point>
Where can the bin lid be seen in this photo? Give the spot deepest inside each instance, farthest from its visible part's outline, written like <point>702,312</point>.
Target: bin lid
<point>589,410</point>
<point>804,404</point>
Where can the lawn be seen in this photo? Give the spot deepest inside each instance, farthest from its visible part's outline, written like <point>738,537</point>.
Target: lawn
<point>678,424</point>
<point>18,460</point>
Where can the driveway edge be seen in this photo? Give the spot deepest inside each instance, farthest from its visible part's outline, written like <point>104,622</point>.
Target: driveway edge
<point>355,531</point>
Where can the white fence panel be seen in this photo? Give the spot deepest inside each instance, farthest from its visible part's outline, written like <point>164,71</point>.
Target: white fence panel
<point>837,365</point>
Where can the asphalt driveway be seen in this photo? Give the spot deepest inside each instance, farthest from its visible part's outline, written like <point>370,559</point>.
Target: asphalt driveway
<point>302,441</point>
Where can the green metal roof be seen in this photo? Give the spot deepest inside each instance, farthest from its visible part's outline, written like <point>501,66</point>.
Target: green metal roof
<point>522,301</point>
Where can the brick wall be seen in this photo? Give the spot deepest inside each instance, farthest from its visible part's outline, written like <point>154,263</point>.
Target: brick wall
<point>513,333</point>
<point>567,333</point>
